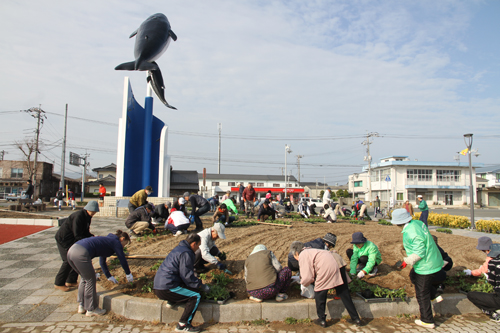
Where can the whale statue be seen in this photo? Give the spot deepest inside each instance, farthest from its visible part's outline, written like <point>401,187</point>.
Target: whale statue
<point>152,40</point>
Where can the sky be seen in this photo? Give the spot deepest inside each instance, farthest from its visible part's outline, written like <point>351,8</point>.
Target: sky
<point>316,75</point>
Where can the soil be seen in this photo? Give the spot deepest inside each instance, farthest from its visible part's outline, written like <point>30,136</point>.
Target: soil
<point>7,214</point>
<point>240,241</point>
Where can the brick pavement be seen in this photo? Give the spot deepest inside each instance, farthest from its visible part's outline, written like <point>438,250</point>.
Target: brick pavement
<point>29,302</point>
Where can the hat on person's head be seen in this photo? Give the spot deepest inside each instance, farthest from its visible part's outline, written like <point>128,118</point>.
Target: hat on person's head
<point>357,200</point>
<point>149,188</point>
<point>400,216</point>
<point>328,188</point>
<point>60,188</point>
<point>228,191</point>
<point>483,243</point>
<point>330,239</point>
<point>92,206</point>
<point>219,227</point>
<point>186,194</point>
<point>358,238</point>
<point>182,201</point>
<point>494,250</point>
<point>419,196</point>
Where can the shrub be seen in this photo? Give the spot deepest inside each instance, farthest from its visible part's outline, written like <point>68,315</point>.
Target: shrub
<point>492,226</point>
<point>446,220</point>
<point>384,222</point>
<point>446,231</point>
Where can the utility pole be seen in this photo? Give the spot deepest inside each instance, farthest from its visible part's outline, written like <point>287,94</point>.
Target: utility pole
<point>368,158</point>
<point>84,166</point>
<point>39,114</point>
<point>282,170</point>
<point>63,156</point>
<point>287,150</point>
<point>2,153</point>
<point>219,127</point>
<point>298,164</point>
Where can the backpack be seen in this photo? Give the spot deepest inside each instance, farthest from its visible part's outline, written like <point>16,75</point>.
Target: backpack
<point>59,195</point>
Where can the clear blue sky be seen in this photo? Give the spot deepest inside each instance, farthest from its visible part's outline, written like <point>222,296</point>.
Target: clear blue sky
<point>317,75</point>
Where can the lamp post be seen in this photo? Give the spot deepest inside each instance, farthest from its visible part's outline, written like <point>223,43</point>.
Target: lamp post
<point>468,143</point>
<point>287,150</point>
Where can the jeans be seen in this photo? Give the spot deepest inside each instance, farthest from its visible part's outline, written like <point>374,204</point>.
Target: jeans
<point>222,219</point>
<point>423,217</point>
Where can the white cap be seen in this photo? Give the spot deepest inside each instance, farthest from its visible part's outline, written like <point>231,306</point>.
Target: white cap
<point>219,227</point>
<point>182,201</point>
<point>419,196</point>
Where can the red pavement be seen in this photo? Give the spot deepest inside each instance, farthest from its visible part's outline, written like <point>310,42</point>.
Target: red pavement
<point>10,232</point>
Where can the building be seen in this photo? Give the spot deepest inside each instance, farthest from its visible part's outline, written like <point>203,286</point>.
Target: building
<point>489,194</point>
<point>313,189</point>
<point>182,181</point>
<point>218,184</point>
<point>15,174</point>
<point>105,175</point>
<point>397,178</point>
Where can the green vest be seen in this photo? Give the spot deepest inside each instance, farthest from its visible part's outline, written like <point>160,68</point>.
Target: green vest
<point>418,240</point>
<point>371,251</point>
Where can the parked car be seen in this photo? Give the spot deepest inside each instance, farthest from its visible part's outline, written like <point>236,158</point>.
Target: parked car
<point>15,196</point>
<point>310,201</point>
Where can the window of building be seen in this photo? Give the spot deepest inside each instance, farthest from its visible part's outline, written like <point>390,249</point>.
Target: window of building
<point>231,184</point>
<point>276,185</point>
<point>100,176</point>
<point>215,183</point>
<point>399,196</point>
<point>448,175</point>
<point>498,176</point>
<point>482,175</point>
<point>289,185</point>
<point>358,183</point>
<point>253,184</point>
<point>16,173</point>
<point>260,184</point>
<point>419,174</point>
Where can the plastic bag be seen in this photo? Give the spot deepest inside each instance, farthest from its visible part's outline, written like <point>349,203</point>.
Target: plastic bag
<point>308,291</point>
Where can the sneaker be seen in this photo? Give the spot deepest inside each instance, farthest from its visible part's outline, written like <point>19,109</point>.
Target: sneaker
<point>170,305</point>
<point>178,233</point>
<point>255,299</point>
<point>186,328</point>
<point>81,309</point>
<point>486,312</point>
<point>438,299</point>
<point>426,325</point>
<point>374,271</point>
<point>281,297</point>
<point>496,316</point>
<point>96,312</point>
<point>440,289</point>
<point>132,234</point>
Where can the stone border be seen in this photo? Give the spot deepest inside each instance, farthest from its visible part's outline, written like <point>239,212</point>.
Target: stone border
<point>138,308</point>
<point>41,222</point>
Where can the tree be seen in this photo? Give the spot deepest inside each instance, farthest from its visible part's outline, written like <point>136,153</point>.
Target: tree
<point>321,193</point>
<point>342,193</point>
<point>27,147</point>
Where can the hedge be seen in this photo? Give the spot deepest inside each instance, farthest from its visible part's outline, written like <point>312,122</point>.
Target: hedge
<point>461,222</point>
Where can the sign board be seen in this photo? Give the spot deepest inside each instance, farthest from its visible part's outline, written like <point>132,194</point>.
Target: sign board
<point>387,178</point>
<point>75,159</point>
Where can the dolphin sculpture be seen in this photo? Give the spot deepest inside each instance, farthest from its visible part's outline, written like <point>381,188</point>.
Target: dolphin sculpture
<point>152,40</point>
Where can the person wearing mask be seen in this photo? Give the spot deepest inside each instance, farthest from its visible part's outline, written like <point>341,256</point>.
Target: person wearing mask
<point>139,220</point>
<point>199,206</point>
<point>489,303</point>
<point>364,256</point>
<point>321,268</point>
<point>208,251</point>
<point>80,257</point>
<point>176,282</point>
<point>140,198</point>
<point>422,205</point>
<point>249,199</point>
<point>423,255</point>
<point>73,229</point>
<point>264,276</point>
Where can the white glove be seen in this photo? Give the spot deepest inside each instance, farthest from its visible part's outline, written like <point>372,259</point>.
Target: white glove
<point>112,279</point>
<point>361,274</point>
<point>97,276</point>
<point>467,272</point>
<point>486,276</point>
<point>130,277</point>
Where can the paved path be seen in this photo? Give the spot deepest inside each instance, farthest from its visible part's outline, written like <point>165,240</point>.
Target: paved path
<point>29,302</point>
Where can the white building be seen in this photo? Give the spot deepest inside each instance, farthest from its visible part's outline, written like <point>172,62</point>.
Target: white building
<point>218,184</point>
<point>401,179</point>
<point>490,194</point>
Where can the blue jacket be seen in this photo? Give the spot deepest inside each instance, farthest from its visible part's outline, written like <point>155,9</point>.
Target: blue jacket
<point>104,247</point>
<point>177,269</point>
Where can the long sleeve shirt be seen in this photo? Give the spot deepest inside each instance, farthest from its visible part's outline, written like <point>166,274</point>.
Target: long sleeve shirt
<point>206,244</point>
<point>319,267</point>
<point>371,251</point>
<point>482,269</point>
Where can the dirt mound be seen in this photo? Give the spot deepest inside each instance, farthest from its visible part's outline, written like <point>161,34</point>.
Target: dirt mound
<point>239,243</point>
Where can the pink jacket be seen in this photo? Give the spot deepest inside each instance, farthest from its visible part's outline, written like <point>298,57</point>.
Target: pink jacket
<point>320,267</point>
<point>482,269</point>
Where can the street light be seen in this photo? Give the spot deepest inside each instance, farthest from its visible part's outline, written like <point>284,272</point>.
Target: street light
<point>468,143</point>
<point>287,150</point>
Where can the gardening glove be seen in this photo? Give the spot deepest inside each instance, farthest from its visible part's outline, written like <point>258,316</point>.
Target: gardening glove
<point>445,263</point>
<point>485,276</point>
<point>401,264</point>
<point>222,256</point>
<point>112,279</point>
<point>361,274</point>
<point>221,266</point>
<point>205,288</point>
<point>130,277</point>
<point>97,276</point>
<point>468,272</point>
